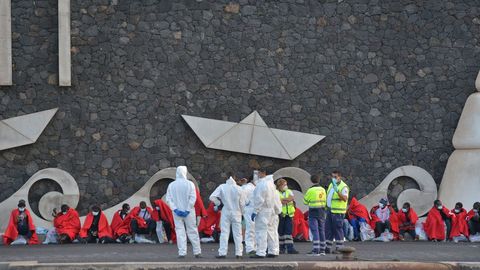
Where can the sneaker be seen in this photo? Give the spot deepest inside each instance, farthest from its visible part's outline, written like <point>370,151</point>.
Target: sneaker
<point>271,256</point>
<point>255,256</point>
<point>220,256</point>
<point>282,251</point>
<point>198,256</point>
<point>322,253</point>
<point>239,257</point>
<point>312,253</point>
<point>292,252</point>
<point>253,252</point>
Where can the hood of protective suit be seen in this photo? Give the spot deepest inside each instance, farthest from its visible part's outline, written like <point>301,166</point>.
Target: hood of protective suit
<point>181,173</point>
<point>231,181</point>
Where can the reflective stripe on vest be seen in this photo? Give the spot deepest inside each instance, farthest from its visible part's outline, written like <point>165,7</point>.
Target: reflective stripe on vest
<point>287,209</point>
<point>338,205</point>
<point>315,197</point>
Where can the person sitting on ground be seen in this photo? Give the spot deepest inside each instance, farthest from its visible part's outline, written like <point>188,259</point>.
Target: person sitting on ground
<point>438,217</point>
<point>473,218</point>
<point>357,213</point>
<point>162,212</point>
<point>121,225</point>
<point>20,224</point>
<point>142,221</point>
<point>66,223</point>
<point>459,223</point>
<point>96,229</point>
<point>209,226</point>
<point>407,217</point>
<point>384,218</point>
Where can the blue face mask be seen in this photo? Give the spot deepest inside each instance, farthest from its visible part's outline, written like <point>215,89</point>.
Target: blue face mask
<point>334,179</point>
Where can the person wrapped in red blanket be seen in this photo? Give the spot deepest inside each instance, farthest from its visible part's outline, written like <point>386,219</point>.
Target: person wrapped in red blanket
<point>210,225</point>
<point>121,225</point>
<point>162,212</point>
<point>20,224</point>
<point>95,228</point>
<point>357,213</point>
<point>200,210</point>
<point>300,226</point>
<point>66,223</point>
<point>384,217</point>
<point>142,220</point>
<point>459,223</point>
<point>407,217</point>
<point>438,217</point>
<point>473,219</point>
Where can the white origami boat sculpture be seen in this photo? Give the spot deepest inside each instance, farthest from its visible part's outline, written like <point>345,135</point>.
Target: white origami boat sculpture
<point>251,136</point>
<point>25,129</point>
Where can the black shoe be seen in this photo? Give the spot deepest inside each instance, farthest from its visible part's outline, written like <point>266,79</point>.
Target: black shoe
<point>292,252</point>
<point>181,257</point>
<point>282,251</point>
<point>253,252</point>
<point>328,251</point>
<point>255,256</point>
<point>220,256</point>
<point>271,256</point>
<point>198,256</point>
<point>238,257</point>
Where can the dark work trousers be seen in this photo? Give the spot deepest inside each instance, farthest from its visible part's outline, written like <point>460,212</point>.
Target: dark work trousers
<point>334,230</point>
<point>316,222</point>
<point>150,229</point>
<point>380,227</point>
<point>285,228</point>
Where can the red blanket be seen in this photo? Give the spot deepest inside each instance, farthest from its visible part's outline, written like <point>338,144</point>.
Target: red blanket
<point>470,214</point>
<point>141,222</point>
<point>210,222</point>
<point>300,226</point>
<point>68,224</point>
<point>402,219</point>
<point>104,229</point>
<point>165,216</point>
<point>121,226</point>
<point>356,209</point>
<point>459,224</point>
<point>200,210</point>
<point>11,233</point>
<point>393,220</point>
<point>434,226</point>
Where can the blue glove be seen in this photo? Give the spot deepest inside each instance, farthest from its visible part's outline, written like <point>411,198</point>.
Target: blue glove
<point>186,213</point>
<point>335,186</point>
<point>253,216</point>
<point>178,212</point>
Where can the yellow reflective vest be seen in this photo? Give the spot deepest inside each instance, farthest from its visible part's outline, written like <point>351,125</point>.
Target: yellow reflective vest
<point>287,209</point>
<point>315,197</point>
<point>338,205</point>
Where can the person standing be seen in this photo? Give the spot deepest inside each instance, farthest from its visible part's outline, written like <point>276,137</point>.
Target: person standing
<point>250,246</point>
<point>285,226</point>
<point>230,195</point>
<point>337,198</point>
<point>181,196</point>
<point>267,207</point>
<point>316,199</point>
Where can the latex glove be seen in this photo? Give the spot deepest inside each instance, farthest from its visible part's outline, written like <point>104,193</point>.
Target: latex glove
<point>178,212</point>
<point>186,213</point>
<point>253,216</point>
<point>215,208</point>
<point>335,186</point>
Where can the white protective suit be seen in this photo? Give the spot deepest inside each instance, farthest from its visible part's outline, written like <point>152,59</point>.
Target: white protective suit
<point>267,206</point>
<point>247,214</point>
<point>231,195</point>
<point>181,195</point>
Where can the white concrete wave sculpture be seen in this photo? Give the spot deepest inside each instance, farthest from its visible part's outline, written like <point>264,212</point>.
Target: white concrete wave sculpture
<point>421,200</point>
<point>251,136</point>
<point>25,129</point>
<point>461,179</point>
<point>69,195</point>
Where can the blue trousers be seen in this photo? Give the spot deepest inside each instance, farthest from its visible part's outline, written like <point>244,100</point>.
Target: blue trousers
<point>316,222</point>
<point>285,228</point>
<point>355,222</point>
<point>334,230</point>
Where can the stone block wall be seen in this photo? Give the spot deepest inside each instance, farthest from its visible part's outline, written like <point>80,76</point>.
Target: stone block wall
<point>385,81</point>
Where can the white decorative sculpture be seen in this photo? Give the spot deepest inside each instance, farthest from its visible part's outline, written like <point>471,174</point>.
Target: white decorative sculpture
<point>461,179</point>
<point>25,129</point>
<point>251,136</point>
<point>64,48</point>
<point>5,42</point>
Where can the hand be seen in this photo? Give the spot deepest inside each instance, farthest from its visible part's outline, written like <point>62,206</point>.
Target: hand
<point>253,216</point>
<point>186,213</point>
<point>178,212</point>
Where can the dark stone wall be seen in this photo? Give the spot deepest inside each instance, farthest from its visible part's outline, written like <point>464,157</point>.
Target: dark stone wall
<point>385,81</point>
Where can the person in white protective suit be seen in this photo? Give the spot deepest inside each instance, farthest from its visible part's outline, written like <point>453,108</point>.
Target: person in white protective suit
<point>250,246</point>
<point>267,207</point>
<point>230,200</point>
<point>181,196</point>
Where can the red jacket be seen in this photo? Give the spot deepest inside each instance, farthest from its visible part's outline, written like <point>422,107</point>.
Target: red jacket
<point>11,233</point>
<point>434,226</point>
<point>356,209</point>
<point>300,226</point>
<point>459,224</point>
<point>211,222</point>
<point>402,219</point>
<point>104,229</point>
<point>121,226</point>
<point>200,210</point>
<point>393,220</point>
<point>68,224</point>
<point>142,223</point>
<point>165,216</point>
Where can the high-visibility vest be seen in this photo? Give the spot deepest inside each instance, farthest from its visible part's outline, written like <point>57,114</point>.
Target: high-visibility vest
<point>315,197</point>
<point>287,209</point>
<point>338,205</point>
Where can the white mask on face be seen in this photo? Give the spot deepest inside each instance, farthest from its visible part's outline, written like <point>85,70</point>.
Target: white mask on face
<point>475,210</point>
<point>284,188</point>
<point>381,205</point>
<point>404,210</point>
<point>21,209</point>
<point>95,213</point>
<point>64,212</point>
<point>457,211</point>
<point>440,207</point>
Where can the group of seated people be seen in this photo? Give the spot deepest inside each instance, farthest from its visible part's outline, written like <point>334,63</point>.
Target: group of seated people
<point>441,223</point>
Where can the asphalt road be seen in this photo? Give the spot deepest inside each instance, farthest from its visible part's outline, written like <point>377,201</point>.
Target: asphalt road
<point>370,251</point>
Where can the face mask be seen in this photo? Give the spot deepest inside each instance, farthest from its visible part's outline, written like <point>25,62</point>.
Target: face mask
<point>475,210</point>
<point>404,210</point>
<point>381,205</point>
<point>64,212</point>
<point>334,179</point>
<point>95,213</point>
<point>21,209</point>
<point>284,188</point>
<point>457,211</point>
<point>440,207</point>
